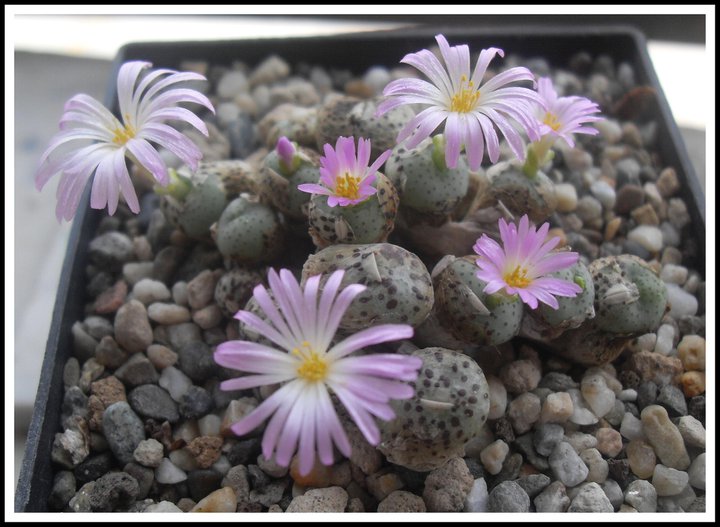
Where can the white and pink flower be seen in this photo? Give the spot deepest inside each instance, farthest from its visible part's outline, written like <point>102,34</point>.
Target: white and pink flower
<point>523,262</point>
<point>309,366</point>
<point>92,142</point>
<point>346,178</point>
<point>471,110</point>
<point>561,117</point>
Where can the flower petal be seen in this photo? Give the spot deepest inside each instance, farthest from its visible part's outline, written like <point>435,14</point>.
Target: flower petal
<point>370,336</point>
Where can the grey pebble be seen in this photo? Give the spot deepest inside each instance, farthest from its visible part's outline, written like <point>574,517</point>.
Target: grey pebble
<point>196,361</point>
<point>546,438</point>
<point>149,400</point>
<point>534,484</point>
<point>673,400</point>
<point>553,499</point>
<point>508,496</point>
<point>614,493</point>
<point>567,465</point>
<point>590,498</point>
<point>641,495</point>
<point>144,476</point>
<point>137,370</point>
<point>123,430</point>
<point>112,491</point>
<point>195,403</point>
<point>111,250</point>
<point>62,491</point>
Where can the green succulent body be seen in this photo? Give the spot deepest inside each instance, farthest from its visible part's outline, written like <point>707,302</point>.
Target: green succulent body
<point>249,232</point>
<point>469,314</point>
<point>282,182</point>
<point>429,191</point>
<point>534,196</point>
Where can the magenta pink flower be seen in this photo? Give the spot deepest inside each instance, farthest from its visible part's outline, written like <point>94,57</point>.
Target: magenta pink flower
<point>521,265</point>
<point>470,110</point>
<point>560,117</point>
<point>93,142</point>
<point>346,179</point>
<point>309,366</point>
<point>286,153</point>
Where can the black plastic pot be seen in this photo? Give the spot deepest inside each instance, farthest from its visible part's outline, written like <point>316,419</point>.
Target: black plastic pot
<point>356,52</point>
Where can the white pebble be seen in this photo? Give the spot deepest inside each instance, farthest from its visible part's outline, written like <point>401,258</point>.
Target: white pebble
<point>628,395</point>
<point>631,427</point>
<point>148,291</point>
<point>232,83</point>
<point>567,197</point>
<point>596,393</point>
<point>665,336</point>
<point>175,382</point>
<point>169,474</point>
<point>163,506</point>
<point>227,113</point>
<point>476,500</point>
<point>647,342</point>
<point>668,481</point>
<point>610,130</point>
<point>692,431</point>
<point>696,472</point>
<point>581,415</point>
<point>674,274</point>
<point>133,272</point>
<point>498,397</point>
<point>604,193</point>
<point>209,425</point>
<point>682,303</point>
<point>649,236</point>
<point>493,456</point>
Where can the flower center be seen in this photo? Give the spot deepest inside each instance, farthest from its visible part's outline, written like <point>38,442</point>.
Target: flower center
<point>465,100</point>
<point>123,133</point>
<point>552,121</point>
<point>314,367</point>
<point>517,278</point>
<point>347,186</point>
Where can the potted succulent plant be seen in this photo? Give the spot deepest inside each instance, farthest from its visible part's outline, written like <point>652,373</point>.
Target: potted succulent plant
<point>447,286</point>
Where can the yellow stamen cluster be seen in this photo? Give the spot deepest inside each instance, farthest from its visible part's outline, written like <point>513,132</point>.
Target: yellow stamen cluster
<point>517,278</point>
<point>313,367</point>
<point>347,186</point>
<point>123,134</point>
<point>465,100</point>
<point>552,121</point>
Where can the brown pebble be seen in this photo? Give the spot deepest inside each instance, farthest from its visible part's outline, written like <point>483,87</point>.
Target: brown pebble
<point>650,366</point>
<point>161,356</point>
<point>645,215</point>
<point>560,233</point>
<point>318,477</point>
<point>668,183</point>
<point>691,350</point>
<point>693,383</point>
<point>109,390</point>
<point>222,500</point>
<point>111,299</point>
<point>611,228</point>
<point>208,317</point>
<point>206,450</point>
<point>358,88</point>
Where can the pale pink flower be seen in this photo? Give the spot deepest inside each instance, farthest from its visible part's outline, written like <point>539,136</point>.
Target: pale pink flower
<point>522,264</point>
<point>470,110</point>
<point>346,179</point>
<point>560,117</point>
<point>286,153</point>
<point>93,142</point>
<point>309,367</point>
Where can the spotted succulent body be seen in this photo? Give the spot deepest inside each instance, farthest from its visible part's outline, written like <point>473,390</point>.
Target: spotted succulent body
<point>368,222</point>
<point>449,408</point>
<point>571,312</point>
<point>399,287</point>
<point>429,193</point>
<point>235,287</point>
<point>630,298</point>
<point>349,116</point>
<point>468,313</point>
<point>534,196</point>
<point>248,232</point>
<point>282,186</point>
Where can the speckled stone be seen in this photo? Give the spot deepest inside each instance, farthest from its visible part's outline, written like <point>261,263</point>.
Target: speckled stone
<point>590,498</point>
<point>123,430</point>
<point>641,495</point>
<point>508,496</point>
<point>552,499</point>
<point>446,487</point>
<point>402,501</point>
<point>567,465</point>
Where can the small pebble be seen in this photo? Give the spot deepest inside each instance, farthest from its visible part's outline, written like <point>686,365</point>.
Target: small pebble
<point>168,314</point>
<point>641,495</point>
<point>681,302</point>
<point>696,472</point>
<point>149,453</point>
<point>604,193</point>
<point>498,397</point>
<point>221,500</point>
<point>508,496</point>
<point>330,499</point>
<point>691,351</point>
<point>641,457</point>
<point>693,383</point>
<point>597,466</point>
<point>175,382</point>
<point>631,427</point>
<point>520,376</point>
<point>402,501</point>
<point>161,356</point>
<point>648,236</point>
<point>148,291</point>
<point>692,431</point>
<point>665,438</point>
<point>567,198</point>
<point>552,499</point>
<point>567,465</point>
<point>664,342</point>
<point>477,498</point>
<point>524,411</point>
<point>581,415</point>
<point>494,455</point>
<point>167,473</point>
<point>668,481</point>
<point>557,408</point>
<point>590,498</point>
<point>614,493</point>
<point>546,438</point>
<point>446,487</point>
<point>609,441</point>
